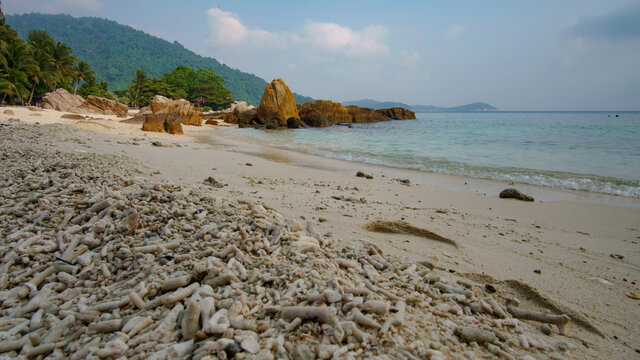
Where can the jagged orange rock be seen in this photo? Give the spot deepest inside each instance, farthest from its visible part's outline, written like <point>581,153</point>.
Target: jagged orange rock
<point>183,109</point>
<point>277,99</point>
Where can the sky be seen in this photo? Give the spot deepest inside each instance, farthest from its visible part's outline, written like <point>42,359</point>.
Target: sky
<point>515,55</point>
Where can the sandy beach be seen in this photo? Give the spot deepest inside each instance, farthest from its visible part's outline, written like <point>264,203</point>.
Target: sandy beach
<point>570,252</point>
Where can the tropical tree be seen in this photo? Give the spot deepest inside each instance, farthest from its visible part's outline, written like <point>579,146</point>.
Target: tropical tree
<point>139,78</point>
<point>63,61</point>
<point>82,72</point>
<point>41,45</point>
<point>17,64</point>
<point>97,88</point>
<point>152,87</point>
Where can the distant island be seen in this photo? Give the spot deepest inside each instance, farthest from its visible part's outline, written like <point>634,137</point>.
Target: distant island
<point>374,104</point>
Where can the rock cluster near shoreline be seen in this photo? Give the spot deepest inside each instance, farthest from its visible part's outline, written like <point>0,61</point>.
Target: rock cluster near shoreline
<point>62,100</point>
<point>100,262</point>
<point>278,110</point>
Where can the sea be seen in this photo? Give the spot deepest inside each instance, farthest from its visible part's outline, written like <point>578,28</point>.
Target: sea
<point>595,152</point>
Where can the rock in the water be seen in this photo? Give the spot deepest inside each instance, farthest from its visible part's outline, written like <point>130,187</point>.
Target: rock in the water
<point>62,100</point>
<point>100,105</point>
<point>512,193</point>
<point>316,120</point>
<point>248,118</point>
<point>186,113</point>
<point>275,121</point>
<point>364,115</point>
<point>8,112</point>
<point>397,113</point>
<point>277,98</point>
<point>333,111</point>
<point>153,123</point>
<point>295,123</point>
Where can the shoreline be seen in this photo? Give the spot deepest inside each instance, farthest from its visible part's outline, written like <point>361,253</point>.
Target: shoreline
<point>554,247</point>
<point>488,187</point>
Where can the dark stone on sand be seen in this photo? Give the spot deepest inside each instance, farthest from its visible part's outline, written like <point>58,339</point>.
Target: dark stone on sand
<point>512,193</point>
<point>72,116</point>
<point>364,175</point>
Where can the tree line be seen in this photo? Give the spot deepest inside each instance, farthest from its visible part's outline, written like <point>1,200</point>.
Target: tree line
<point>30,68</point>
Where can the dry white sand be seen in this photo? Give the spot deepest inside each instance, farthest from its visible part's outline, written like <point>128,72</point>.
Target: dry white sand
<point>556,246</point>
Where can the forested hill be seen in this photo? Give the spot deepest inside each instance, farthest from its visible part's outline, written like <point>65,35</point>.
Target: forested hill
<point>116,51</point>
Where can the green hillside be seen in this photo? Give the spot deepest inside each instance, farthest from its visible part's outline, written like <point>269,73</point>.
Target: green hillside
<point>116,51</point>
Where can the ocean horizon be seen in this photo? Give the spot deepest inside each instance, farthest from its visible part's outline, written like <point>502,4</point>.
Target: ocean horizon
<point>592,151</point>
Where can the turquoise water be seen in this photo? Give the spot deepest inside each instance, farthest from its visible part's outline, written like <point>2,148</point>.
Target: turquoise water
<point>586,151</point>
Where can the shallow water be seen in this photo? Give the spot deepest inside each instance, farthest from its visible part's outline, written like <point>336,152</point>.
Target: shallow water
<point>587,151</point>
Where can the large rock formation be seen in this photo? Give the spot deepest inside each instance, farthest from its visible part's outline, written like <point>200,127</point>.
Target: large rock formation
<point>334,112</point>
<point>277,99</point>
<point>364,115</point>
<point>186,113</point>
<point>100,105</point>
<point>161,123</point>
<point>62,100</point>
<point>397,113</point>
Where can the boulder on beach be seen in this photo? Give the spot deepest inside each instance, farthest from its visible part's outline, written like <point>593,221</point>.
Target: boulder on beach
<point>100,105</point>
<point>62,100</point>
<point>512,193</point>
<point>72,116</point>
<point>163,122</point>
<point>248,118</point>
<point>275,121</point>
<point>333,111</point>
<point>181,108</point>
<point>277,98</point>
<point>364,115</point>
<point>316,120</point>
<point>397,113</point>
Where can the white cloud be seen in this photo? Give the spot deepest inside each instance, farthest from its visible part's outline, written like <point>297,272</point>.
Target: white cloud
<point>226,29</point>
<point>54,6</point>
<point>409,58</point>
<point>454,32</point>
<point>341,39</point>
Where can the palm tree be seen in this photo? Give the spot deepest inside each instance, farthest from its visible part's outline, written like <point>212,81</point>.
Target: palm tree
<point>63,62</point>
<point>17,65</point>
<point>7,36</point>
<point>41,45</point>
<point>82,72</point>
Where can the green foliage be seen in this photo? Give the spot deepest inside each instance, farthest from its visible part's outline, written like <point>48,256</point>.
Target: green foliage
<point>201,86</point>
<point>152,87</point>
<point>115,51</point>
<point>39,65</point>
<point>96,88</point>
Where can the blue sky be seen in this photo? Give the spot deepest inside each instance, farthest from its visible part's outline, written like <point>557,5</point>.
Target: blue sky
<point>516,55</point>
